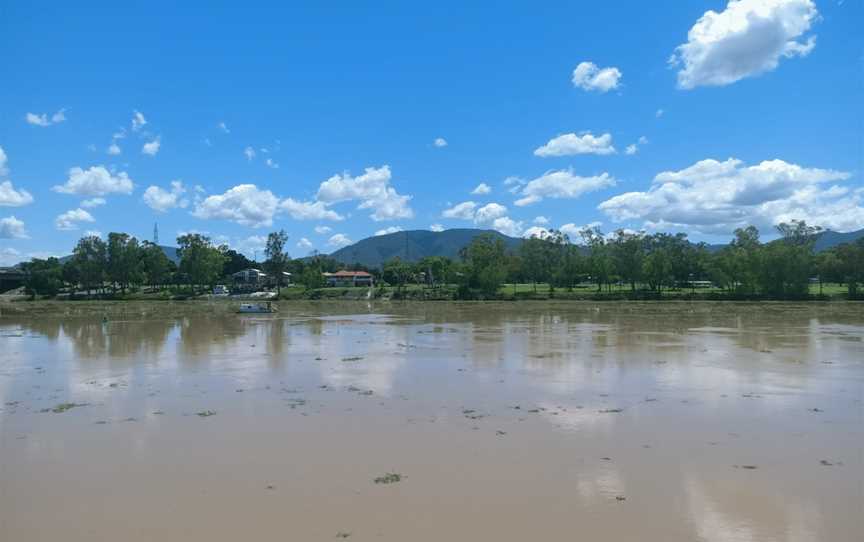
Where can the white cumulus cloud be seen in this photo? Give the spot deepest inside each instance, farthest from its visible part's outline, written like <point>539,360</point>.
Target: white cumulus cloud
<point>572,231</point>
<point>562,184</point>
<point>541,220</point>
<point>440,142</point>
<point>489,212</point>
<point>462,211</point>
<point>113,149</point>
<point>372,189</point>
<point>321,230</point>
<point>535,231</point>
<point>572,144</point>
<point>249,152</point>
<point>304,244</point>
<point>308,210</point>
<point>746,39</point>
<point>151,147</point>
<point>494,215</point>
<point>339,240</point>
<point>244,204</point>
<point>9,196</point>
<point>436,227</point>
<point>12,228</point>
<point>634,147</point>
<point>162,200</point>
<point>138,120</point>
<point>93,202</point>
<point>70,219</point>
<point>482,189</point>
<point>95,181</point>
<point>391,229</point>
<point>44,120</point>
<point>507,226</point>
<point>716,197</point>
<point>588,76</point>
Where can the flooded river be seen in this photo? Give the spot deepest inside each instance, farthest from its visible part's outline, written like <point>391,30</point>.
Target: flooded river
<point>434,422</point>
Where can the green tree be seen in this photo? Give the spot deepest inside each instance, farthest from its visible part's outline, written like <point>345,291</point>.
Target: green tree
<point>71,275</point>
<point>851,256</point>
<point>599,265</point>
<point>312,277</point>
<point>438,270</point>
<point>90,259</point>
<point>787,263</point>
<point>396,273</point>
<point>277,258</point>
<point>155,265</point>
<point>124,257</point>
<point>555,245</point>
<point>200,261</point>
<point>569,271</point>
<point>235,262</point>
<point>628,251</point>
<point>533,253</point>
<point>485,265</point>
<point>42,277</point>
<point>828,267</point>
<point>744,259</point>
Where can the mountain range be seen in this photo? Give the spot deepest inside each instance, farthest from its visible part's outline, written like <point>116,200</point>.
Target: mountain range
<point>414,245</point>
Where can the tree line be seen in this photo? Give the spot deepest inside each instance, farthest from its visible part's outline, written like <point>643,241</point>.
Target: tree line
<point>636,262</point>
<point>122,263</point>
<point>644,263</point>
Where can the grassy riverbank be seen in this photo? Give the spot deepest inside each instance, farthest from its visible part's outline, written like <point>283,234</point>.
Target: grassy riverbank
<point>168,303</point>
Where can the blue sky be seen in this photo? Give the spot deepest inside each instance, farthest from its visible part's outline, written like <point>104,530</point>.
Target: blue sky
<point>747,112</point>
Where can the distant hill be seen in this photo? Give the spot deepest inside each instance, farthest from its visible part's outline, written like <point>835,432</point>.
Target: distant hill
<point>831,239</point>
<point>416,244</point>
<point>413,245</point>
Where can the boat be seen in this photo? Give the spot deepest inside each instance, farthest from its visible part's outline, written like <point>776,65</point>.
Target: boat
<point>257,307</point>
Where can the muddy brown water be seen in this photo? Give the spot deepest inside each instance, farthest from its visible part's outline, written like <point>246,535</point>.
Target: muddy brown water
<point>507,422</point>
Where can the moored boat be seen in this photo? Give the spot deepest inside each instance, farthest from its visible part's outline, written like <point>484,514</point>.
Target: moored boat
<point>257,307</point>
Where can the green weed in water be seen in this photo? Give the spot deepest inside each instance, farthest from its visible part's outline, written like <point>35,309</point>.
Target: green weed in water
<point>389,478</point>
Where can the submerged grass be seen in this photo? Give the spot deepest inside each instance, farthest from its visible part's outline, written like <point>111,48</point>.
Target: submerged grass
<point>63,407</point>
<point>389,478</point>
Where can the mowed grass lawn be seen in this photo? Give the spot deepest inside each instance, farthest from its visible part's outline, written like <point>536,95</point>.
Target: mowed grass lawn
<point>830,289</point>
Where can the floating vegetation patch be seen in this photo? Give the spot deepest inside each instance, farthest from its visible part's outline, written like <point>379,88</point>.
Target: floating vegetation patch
<point>63,407</point>
<point>352,358</point>
<point>611,410</point>
<point>294,403</point>
<point>205,413</point>
<point>388,478</point>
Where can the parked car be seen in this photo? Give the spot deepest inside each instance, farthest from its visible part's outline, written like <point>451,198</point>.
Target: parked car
<point>220,290</point>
